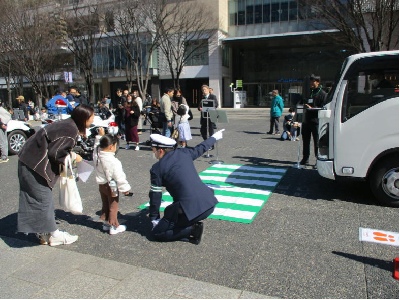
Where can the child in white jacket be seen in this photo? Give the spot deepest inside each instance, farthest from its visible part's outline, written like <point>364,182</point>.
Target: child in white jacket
<point>183,125</point>
<point>109,168</point>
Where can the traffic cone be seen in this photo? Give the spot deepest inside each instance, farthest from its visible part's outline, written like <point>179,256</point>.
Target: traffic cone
<point>396,268</point>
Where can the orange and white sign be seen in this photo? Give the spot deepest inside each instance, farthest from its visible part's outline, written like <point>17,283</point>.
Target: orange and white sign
<point>379,236</point>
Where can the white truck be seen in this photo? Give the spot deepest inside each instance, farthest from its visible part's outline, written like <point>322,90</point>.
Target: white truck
<point>359,125</point>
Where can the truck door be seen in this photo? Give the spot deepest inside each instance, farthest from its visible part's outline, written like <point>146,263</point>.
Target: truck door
<point>367,114</point>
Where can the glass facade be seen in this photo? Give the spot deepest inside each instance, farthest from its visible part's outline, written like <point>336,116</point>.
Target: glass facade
<point>283,63</point>
<point>246,12</point>
<point>197,54</point>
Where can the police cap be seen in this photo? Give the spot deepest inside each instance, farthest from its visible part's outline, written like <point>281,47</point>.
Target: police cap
<point>158,140</point>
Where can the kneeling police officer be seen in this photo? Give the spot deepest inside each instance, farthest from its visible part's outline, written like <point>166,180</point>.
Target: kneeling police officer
<point>193,201</point>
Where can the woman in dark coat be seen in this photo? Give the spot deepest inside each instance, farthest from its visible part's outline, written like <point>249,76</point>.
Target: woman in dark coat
<point>132,114</point>
<point>38,170</point>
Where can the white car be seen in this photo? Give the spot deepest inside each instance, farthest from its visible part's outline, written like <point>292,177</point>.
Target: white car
<point>17,133</point>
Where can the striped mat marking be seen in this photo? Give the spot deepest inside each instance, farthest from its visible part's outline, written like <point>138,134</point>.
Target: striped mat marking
<point>241,190</point>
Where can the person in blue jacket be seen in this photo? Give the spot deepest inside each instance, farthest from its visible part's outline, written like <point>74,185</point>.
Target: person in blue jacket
<point>52,109</point>
<point>193,201</point>
<point>276,112</point>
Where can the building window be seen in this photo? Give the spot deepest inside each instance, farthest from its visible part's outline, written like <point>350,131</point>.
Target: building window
<point>241,12</point>
<point>233,13</point>
<point>258,11</point>
<point>293,10</point>
<point>284,11</point>
<point>275,11</point>
<point>197,53</point>
<point>266,11</point>
<point>249,12</point>
<point>226,54</point>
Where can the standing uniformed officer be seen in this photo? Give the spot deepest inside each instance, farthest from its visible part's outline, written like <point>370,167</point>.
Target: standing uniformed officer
<point>193,201</point>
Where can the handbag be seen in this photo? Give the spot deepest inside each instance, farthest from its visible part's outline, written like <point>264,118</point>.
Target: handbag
<point>175,134</point>
<point>70,199</point>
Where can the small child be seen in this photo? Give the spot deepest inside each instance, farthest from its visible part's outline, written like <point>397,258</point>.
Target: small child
<point>183,125</point>
<point>43,114</point>
<point>109,168</point>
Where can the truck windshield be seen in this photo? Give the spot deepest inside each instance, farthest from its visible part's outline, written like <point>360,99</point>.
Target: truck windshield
<point>337,78</point>
<point>370,81</point>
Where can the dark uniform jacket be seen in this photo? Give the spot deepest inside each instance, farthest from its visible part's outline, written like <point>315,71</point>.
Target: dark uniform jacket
<point>176,171</point>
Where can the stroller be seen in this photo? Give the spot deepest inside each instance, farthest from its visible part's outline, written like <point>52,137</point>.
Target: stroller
<point>153,119</point>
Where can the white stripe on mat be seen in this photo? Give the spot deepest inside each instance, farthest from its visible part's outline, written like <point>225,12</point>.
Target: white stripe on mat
<point>275,170</point>
<point>237,189</point>
<point>226,212</point>
<point>235,180</point>
<point>235,173</point>
<point>227,199</point>
<point>239,200</point>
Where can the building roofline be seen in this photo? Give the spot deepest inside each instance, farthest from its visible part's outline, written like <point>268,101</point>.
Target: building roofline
<point>278,35</point>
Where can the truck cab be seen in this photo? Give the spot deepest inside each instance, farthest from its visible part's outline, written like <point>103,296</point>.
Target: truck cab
<point>359,125</point>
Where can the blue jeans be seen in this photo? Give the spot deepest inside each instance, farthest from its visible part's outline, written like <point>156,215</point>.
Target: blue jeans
<point>166,130</point>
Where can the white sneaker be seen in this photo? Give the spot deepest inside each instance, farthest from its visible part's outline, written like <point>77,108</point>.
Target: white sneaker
<point>64,238</point>
<point>106,227</point>
<point>127,147</point>
<point>115,230</point>
<point>137,148</point>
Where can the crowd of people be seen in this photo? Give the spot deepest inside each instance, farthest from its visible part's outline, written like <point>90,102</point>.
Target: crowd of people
<point>42,157</point>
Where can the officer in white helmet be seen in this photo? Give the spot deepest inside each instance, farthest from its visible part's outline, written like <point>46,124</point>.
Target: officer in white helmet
<point>193,201</point>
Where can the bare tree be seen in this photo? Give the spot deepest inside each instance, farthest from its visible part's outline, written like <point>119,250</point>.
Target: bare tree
<point>82,37</point>
<point>26,39</point>
<point>366,25</point>
<point>135,34</point>
<point>185,29</point>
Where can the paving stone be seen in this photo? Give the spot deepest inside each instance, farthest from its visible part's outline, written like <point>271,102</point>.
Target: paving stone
<point>78,285</point>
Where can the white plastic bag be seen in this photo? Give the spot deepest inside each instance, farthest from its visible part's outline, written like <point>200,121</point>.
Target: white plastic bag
<point>70,200</point>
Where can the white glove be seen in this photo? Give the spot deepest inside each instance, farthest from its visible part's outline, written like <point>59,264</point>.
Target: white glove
<point>218,134</point>
<point>155,222</point>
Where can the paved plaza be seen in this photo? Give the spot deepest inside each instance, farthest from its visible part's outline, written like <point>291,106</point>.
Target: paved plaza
<point>302,244</point>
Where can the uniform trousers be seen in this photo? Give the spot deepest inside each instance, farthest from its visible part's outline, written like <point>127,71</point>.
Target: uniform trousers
<point>308,129</point>
<point>175,224</point>
<point>203,128</point>
<point>109,210</point>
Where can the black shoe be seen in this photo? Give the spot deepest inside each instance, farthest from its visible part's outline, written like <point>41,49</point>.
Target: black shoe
<point>197,233</point>
<point>304,162</point>
<point>269,132</point>
<point>277,132</point>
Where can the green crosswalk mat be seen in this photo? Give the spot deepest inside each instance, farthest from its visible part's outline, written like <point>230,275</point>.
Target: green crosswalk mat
<point>241,190</point>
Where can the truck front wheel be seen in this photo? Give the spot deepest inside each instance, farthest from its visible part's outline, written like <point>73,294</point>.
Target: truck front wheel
<point>384,181</point>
